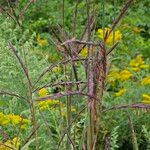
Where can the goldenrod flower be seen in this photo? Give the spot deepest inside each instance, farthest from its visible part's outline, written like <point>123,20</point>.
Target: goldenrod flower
<point>137,64</point>
<point>125,75</point>
<point>13,119</point>
<point>112,38</point>
<point>136,69</point>
<point>117,75</point>
<point>146,81</point>
<point>113,76</point>
<point>120,92</point>
<point>4,119</point>
<point>43,92</point>
<point>43,105</point>
<point>84,52</point>
<point>42,42</point>
<point>146,98</point>
<point>144,66</point>
<point>14,144</point>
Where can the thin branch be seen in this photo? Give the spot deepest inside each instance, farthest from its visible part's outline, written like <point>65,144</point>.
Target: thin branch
<point>22,13</point>
<point>56,65</point>
<point>62,94</point>
<point>46,123</point>
<point>12,94</point>
<point>137,105</point>
<point>8,14</point>
<point>73,40</point>
<point>71,141</point>
<point>50,69</point>
<point>6,146</point>
<point>60,84</point>
<point>76,117</point>
<point>117,20</point>
<point>21,63</point>
<point>14,13</point>
<point>112,48</point>
<point>30,136</point>
<point>71,52</point>
<point>4,134</point>
<point>133,134</point>
<point>75,18</point>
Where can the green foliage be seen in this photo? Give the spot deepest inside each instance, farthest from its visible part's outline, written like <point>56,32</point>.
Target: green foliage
<point>146,135</point>
<point>114,138</point>
<point>44,17</point>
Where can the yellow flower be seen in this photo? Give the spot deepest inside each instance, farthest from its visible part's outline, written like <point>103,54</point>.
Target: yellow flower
<point>125,75</point>
<point>117,75</point>
<point>46,104</point>
<point>84,52</point>
<point>146,81</point>
<point>4,120</point>
<point>13,119</point>
<point>137,64</point>
<point>42,42</point>
<point>120,92</point>
<point>13,144</point>
<point>112,38</point>
<point>136,69</point>
<point>113,76</point>
<point>144,66</point>
<point>146,98</point>
<point>43,92</point>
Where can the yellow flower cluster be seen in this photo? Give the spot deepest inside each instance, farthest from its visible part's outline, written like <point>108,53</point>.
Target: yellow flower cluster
<point>125,75</point>
<point>48,104</point>
<point>84,52</point>
<point>11,144</point>
<point>41,42</point>
<point>119,75</point>
<point>146,81</point>
<point>112,38</point>
<point>43,92</point>
<point>146,98</point>
<point>120,92</point>
<point>13,119</point>
<point>43,105</point>
<point>137,64</point>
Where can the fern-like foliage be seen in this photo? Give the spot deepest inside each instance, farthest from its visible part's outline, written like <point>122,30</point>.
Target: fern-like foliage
<point>146,135</point>
<point>114,138</point>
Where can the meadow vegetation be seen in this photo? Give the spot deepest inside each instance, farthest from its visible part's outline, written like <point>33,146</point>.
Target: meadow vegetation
<point>74,75</point>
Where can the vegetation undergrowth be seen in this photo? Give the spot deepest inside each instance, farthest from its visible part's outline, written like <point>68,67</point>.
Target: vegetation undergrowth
<point>74,75</point>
